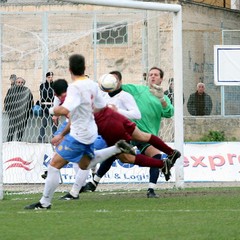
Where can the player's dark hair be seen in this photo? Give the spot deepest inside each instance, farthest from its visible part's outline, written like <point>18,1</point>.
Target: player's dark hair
<point>118,74</point>
<point>60,86</point>
<point>159,69</point>
<point>77,64</point>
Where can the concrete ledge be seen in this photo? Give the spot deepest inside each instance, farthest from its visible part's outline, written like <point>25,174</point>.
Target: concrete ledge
<point>197,127</point>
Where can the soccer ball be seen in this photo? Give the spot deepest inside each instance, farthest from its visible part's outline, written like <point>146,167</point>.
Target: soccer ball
<point>108,83</point>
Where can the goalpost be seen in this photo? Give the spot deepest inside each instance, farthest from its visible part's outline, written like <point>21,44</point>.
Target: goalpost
<point>150,34</point>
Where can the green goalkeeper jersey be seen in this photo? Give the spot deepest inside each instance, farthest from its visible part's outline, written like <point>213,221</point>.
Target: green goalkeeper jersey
<point>150,107</point>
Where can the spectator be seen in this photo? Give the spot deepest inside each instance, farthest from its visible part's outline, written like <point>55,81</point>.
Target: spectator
<point>46,101</point>
<point>199,103</point>
<point>18,104</point>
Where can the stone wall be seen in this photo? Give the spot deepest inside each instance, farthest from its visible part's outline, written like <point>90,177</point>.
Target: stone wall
<point>196,127</point>
<point>202,29</point>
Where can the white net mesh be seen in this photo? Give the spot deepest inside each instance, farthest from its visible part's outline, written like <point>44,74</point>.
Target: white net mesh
<point>34,43</point>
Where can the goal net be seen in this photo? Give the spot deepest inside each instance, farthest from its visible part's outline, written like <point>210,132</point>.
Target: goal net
<point>111,38</point>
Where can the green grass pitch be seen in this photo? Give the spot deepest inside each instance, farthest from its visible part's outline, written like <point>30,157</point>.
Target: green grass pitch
<point>194,213</point>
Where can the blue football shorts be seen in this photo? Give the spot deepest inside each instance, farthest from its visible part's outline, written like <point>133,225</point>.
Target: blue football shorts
<point>99,143</point>
<point>72,150</point>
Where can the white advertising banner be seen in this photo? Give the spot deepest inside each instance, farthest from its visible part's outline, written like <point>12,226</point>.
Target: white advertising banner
<point>25,162</point>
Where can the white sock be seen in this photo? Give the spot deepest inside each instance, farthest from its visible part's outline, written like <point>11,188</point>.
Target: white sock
<point>75,167</point>
<point>103,154</point>
<point>152,185</point>
<point>52,182</point>
<point>80,180</point>
<point>96,178</point>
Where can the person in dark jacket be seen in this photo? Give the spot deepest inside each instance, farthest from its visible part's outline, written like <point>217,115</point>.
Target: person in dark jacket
<point>18,104</point>
<point>199,103</point>
<point>46,101</point>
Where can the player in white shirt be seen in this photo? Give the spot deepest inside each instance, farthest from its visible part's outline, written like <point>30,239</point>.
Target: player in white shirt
<point>82,96</point>
<point>123,102</point>
<point>60,89</point>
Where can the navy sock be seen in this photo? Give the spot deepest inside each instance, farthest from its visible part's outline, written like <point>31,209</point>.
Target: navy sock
<point>154,172</point>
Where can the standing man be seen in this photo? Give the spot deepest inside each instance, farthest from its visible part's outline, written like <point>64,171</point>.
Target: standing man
<point>46,101</point>
<point>199,103</point>
<point>78,146</point>
<point>18,104</point>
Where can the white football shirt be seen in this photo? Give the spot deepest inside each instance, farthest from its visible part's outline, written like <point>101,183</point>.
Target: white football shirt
<point>125,103</point>
<point>82,97</point>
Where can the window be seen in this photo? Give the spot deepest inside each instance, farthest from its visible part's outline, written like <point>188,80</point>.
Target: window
<point>110,33</point>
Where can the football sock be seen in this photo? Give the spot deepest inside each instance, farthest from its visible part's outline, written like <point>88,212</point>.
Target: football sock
<point>145,161</point>
<point>159,144</point>
<point>105,166</point>
<point>103,154</point>
<point>96,179</point>
<point>75,167</point>
<point>154,172</point>
<point>151,185</point>
<point>52,182</point>
<point>80,180</point>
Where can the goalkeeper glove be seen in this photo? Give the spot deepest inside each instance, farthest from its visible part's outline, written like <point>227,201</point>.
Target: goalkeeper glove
<point>157,91</point>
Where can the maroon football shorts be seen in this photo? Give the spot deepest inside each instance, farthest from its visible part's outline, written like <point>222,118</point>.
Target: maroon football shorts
<point>113,126</point>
